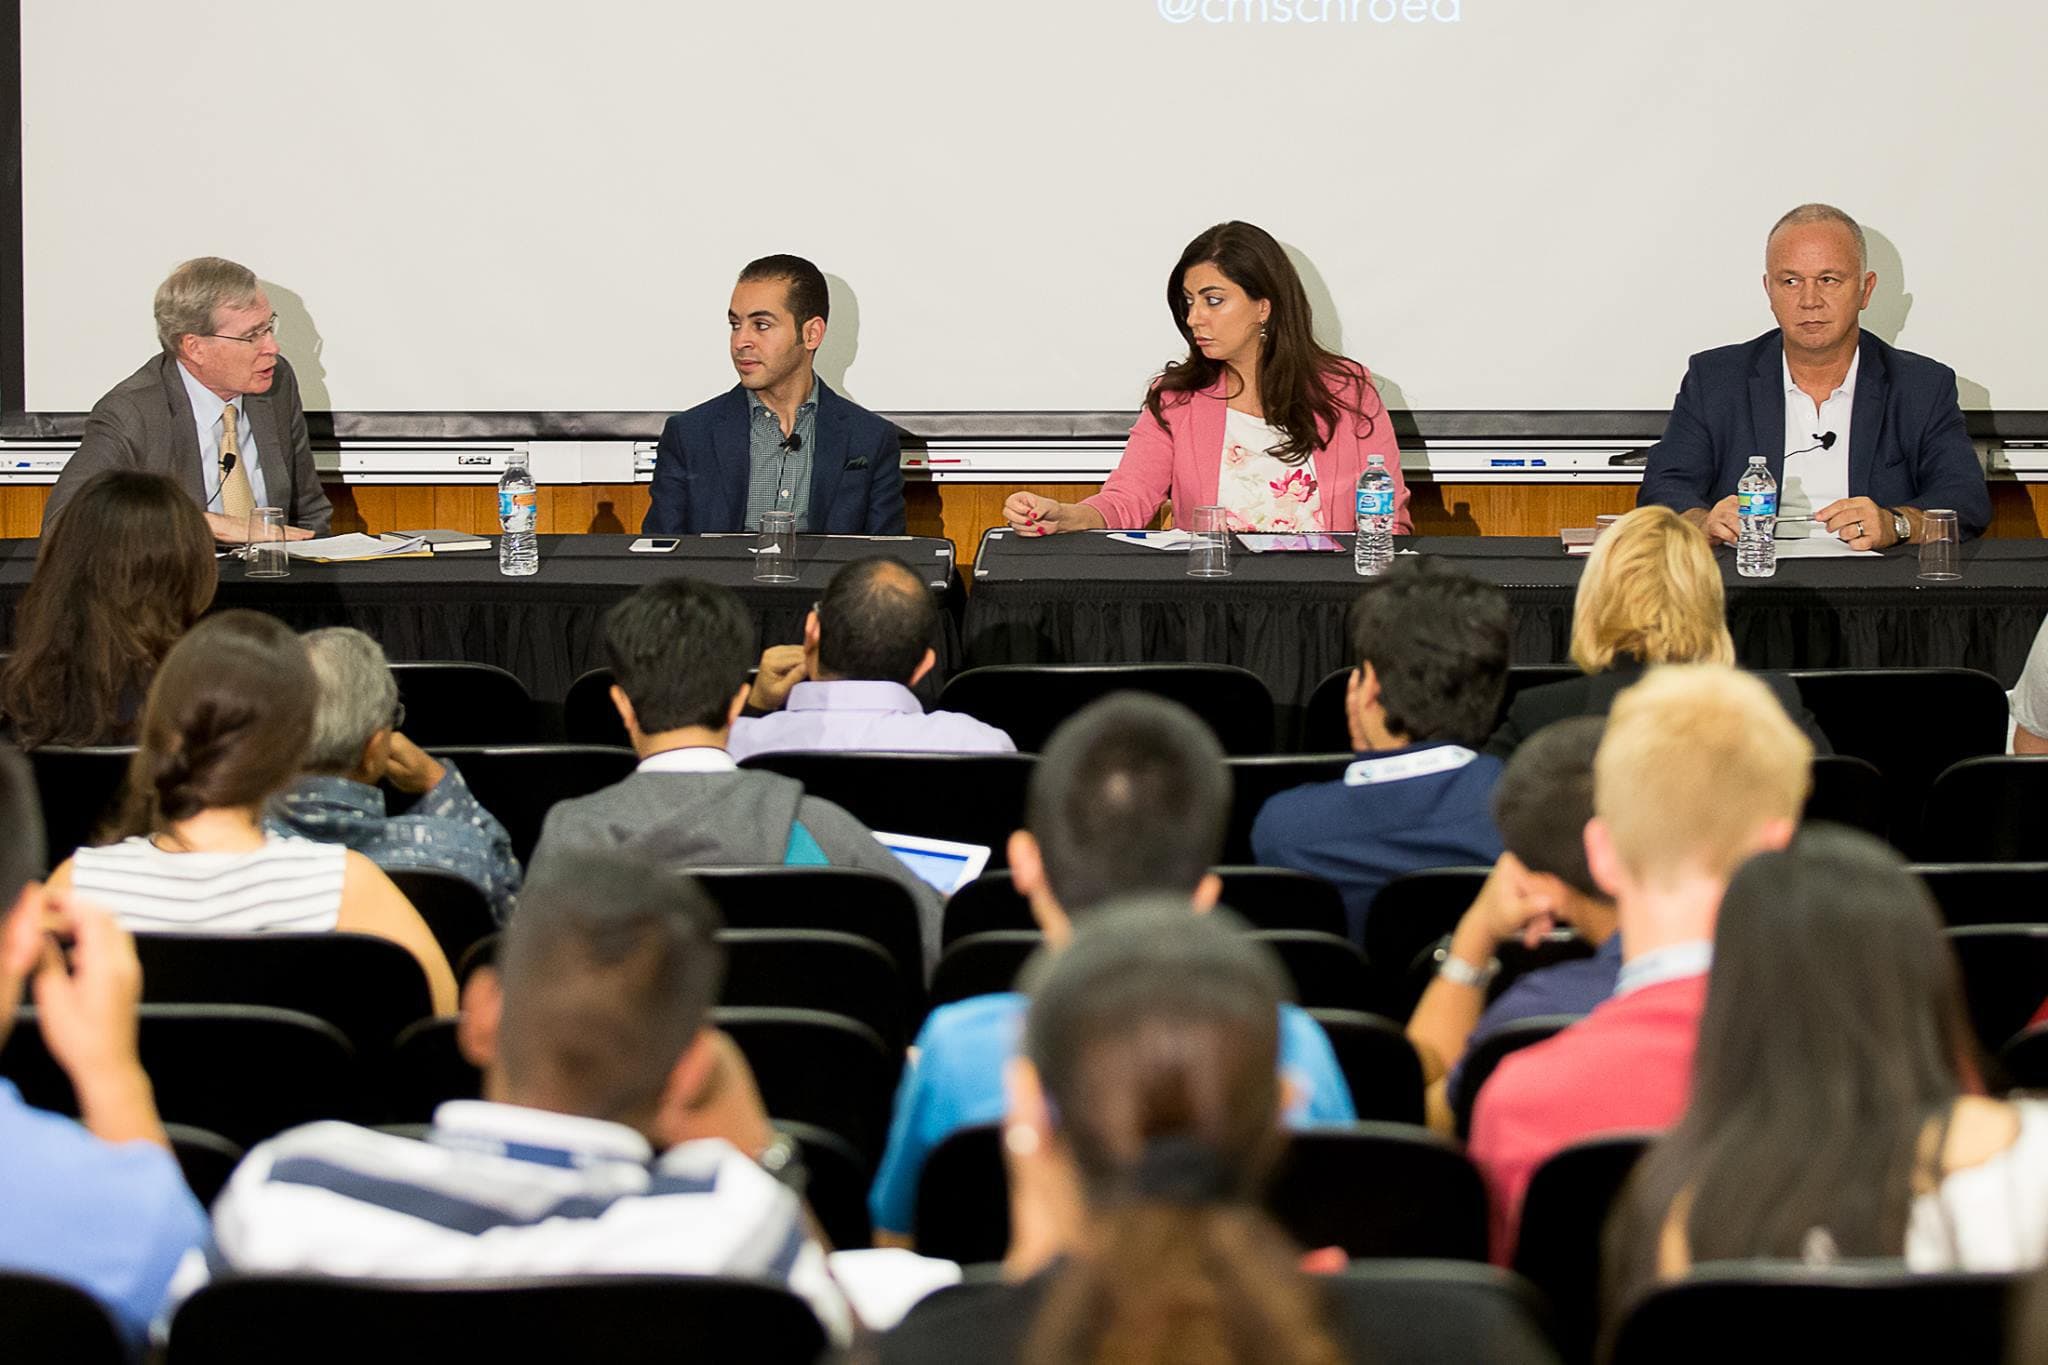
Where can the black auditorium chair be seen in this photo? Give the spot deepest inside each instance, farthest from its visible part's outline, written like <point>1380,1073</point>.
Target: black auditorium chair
<point>1381,1189</point>
<point>846,899</point>
<point>50,1322</point>
<point>982,964</point>
<point>205,1159</point>
<point>2005,977</point>
<point>1485,1056</point>
<point>1282,898</point>
<point>1987,893</point>
<point>1328,972</point>
<point>1406,920</point>
<point>245,1072</point>
<point>463,703</point>
<point>1912,723</point>
<point>367,987</point>
<point>620,1320</point>
<point>1560,1242</point>
<point>963,1202</point>
<point>1327,731</point>
<point>1028,701</point>
<point>970,798</point>
<point>1988,810</point>
<point>1256,780</point>
<point>817,969</point>
<point>457,912</point>
<point>991,901</point>
<point>519,782</point>
<point>1378,1062</point>
<point>1847,791</point>
<point>79,791</point>
<point>427,1069</point>
<point>2025,1059</point>
<point>836,1184</point>
<point>1776,1313</point>
<point>588,716</point>
<point>818,1068</point>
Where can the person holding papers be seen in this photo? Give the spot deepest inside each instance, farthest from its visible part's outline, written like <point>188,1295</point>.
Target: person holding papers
<point>1259,419</point>
<point>1860,436</point>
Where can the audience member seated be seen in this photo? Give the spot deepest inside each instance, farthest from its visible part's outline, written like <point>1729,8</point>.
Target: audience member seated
<point>1699,768</point>
<point>2030,699</point>
<point>1433,659</point>
<point>100,1204</point>
<point>1143,1123</point>
<point>619,1132</point>
<point>1650,594</point>
<point>229,715</point>
<point>1130,797</point>
<point>357,743</point>
<point>866,644</point>
<point>118,580</point>
<point>1540,883</point>
<point>678,651</point>
<point>1834,1113</point>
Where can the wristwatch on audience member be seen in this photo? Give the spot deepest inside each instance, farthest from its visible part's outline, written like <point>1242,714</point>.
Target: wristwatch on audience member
<point>783,1158</point>
<point>1459,972</point>
<point>1902,525</point>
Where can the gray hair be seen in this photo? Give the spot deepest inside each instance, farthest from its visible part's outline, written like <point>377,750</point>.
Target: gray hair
<point>357,697</point>
<point>187,301</point>
<point>1824,213</point>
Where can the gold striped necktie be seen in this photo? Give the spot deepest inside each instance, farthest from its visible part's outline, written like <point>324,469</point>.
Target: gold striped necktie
<point>236,497</point>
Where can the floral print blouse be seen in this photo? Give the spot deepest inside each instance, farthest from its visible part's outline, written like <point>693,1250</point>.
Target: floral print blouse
<point>1257,490</point>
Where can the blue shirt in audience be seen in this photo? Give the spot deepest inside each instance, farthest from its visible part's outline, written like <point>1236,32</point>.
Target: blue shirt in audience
<point>1567,988</point>
<point>1427,805</point>
<point>112,1218</point>
<point>956,1081</point>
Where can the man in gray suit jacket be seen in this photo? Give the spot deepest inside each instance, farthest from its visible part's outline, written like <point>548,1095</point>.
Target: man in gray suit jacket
<point>679,651</point>
<point>219,357</point>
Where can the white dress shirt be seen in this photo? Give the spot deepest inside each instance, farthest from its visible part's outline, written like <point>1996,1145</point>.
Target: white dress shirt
<point>207,407</point>
<point>1814,478</point>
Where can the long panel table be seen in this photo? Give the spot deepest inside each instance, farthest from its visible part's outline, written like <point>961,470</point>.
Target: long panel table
<point>1089,599</point>
<point>545,628</point>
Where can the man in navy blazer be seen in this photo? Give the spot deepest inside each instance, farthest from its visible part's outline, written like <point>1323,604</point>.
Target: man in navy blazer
<point>781,439</point>
<point>1871,435</point>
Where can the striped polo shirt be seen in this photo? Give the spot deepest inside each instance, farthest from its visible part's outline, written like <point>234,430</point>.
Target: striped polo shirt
<point>292,884</point>
<point>499,1190</point>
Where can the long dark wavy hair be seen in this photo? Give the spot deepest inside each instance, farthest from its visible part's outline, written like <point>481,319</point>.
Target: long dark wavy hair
<point>123,572</point>
<point>1156,1037</point>
<point>1305,389</point>
<point>1833,1045</point>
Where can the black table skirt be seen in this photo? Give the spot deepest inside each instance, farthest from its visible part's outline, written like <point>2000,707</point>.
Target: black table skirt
<point>1088,599</point>
<point>544,629</point>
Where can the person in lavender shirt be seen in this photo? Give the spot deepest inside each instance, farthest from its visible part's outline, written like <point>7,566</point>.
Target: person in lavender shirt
<point>847,686</point>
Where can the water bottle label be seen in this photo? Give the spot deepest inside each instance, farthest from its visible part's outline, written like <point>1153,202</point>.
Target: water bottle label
<point>1375,503</point>
<point>1757,504</point>
<point>518,512</point>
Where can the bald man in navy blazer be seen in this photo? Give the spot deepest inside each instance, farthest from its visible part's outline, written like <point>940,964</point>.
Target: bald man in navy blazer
<point>1861,436</point>
<point>781,439</point>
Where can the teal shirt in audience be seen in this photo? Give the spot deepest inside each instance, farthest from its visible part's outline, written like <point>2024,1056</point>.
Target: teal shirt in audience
<point>956,1082</point>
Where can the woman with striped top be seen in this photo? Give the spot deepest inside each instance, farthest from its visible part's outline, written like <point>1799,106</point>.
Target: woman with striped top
<point>225,726</point>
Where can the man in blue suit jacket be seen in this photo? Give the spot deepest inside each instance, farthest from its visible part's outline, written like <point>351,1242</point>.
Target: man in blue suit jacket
<point>781,439</point>
<point>1875,435</point>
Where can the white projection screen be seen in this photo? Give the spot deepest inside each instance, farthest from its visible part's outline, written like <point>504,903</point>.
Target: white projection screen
<point>1518,205</point>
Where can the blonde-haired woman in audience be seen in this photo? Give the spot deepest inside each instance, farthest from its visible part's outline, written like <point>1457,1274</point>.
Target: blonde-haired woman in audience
<point>1650,594</point>
<point>225,726</point>
<point>1834,1111</point>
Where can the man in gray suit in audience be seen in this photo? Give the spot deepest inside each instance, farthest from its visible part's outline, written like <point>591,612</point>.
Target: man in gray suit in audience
<point>173,416</point>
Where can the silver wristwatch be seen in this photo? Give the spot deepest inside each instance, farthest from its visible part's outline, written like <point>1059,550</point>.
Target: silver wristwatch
<point>1459,972</point>
<point>783,1158</point>
<point>1902,526</point>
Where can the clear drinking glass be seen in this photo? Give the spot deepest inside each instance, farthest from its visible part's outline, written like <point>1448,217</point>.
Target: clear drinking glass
<point>267,555</point>
<point>1209,554</point>
<point>1940,557</point>
<point>775,552</point>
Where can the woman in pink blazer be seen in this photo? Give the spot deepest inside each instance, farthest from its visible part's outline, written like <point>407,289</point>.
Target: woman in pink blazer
<point>1259,418</point>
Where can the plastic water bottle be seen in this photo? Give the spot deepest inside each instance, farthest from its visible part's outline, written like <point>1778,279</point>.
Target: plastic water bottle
<point>518,516</point>
<point>1373,547</point>
<point>1756,502</point>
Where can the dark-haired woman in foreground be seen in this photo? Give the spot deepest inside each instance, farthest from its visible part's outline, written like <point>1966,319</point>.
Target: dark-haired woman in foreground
<point>226,724</point>
<point>1832,1114</point>
<point>1260,418</point>
<point>121,575</point>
